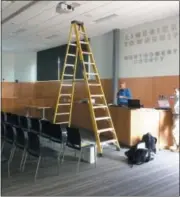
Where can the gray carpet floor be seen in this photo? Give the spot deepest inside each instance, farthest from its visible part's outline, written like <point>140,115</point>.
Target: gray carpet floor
<point>111,177</point>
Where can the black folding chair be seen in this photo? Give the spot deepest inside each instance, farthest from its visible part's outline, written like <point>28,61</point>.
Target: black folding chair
<point>19,143</point>
<point>75,142</point>
<point>24,123</point>
<point>34,124</point>
<point>35,149</point>
<point>9,138</point>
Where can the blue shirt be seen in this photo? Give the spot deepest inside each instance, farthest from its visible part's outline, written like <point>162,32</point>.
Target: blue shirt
<point>123,92</point>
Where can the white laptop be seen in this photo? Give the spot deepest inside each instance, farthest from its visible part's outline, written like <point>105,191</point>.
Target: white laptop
<point>163,103</point>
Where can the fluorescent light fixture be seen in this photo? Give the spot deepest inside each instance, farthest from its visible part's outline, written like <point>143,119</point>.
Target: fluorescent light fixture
<point>106,18</point>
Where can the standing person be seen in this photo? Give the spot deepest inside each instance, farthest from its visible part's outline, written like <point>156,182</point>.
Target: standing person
<point>175,130</point>
<point>123,95</point>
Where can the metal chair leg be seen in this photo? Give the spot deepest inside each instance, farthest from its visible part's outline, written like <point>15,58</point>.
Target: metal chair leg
<point>24,162</point>
<point>64,149</point>
<point>37,168</point>
<point>11,158</point>
<point>22,159</point>
<point>79,160</point>
<point>95,156</point>
<point>2,148</point>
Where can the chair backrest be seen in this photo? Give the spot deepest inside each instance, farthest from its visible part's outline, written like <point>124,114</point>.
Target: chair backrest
<point>55,132</point>
<point>20,139</point>
<point>2,130</point>
<point>23,122</point>
<point>34,124</point>
<point>8,117</point>
<point>2,116</point>
<point>44,126</point>
<point>73,138</point>
<point>33,144</point>
<point>15,119</point>
<point>9,133</point>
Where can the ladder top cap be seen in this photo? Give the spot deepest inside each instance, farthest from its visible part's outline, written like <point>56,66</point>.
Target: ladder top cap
<point>77,22</point>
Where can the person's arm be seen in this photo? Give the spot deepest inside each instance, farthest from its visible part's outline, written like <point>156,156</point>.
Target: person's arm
<point>128,94</point>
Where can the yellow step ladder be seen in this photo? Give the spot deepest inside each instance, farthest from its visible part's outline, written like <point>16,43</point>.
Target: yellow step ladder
<point>63,110</point>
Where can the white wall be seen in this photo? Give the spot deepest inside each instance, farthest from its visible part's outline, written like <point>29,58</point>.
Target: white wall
<point>102,47</point>
<point>20,66</point>
<point>25,66</point>
<point>167,39</point>
<point>7,66</point>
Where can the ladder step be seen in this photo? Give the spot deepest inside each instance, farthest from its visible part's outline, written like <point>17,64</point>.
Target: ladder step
<point>82,42</point>
<point>108,142</point>
<point>61,114</point>
<point>72,44</point>
<point>64,104</point>
<point>87,53</point>
<point>89,63</point>
<point>70,54</point>
<point>68,75</point>
<point>92,74</point>
<point>94,84</point>
<point>70,65</point>
<point>97,95</point>
<point>100,106</point>
<point>105,130</point>
<point>62,122</point>
<point>65,94</point>
<point>102,118</point>
<point>66,84</point>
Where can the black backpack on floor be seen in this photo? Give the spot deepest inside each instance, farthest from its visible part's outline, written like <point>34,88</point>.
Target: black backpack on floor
<point>143,151</point>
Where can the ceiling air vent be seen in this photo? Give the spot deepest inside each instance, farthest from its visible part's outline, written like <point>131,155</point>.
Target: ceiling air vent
<point>106,18</point>
<point>21,30</point>
<point>52,36</point>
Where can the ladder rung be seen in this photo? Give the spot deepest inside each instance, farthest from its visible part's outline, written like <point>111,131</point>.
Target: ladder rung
<point>102,118</point>
<point>81,32</point>
<point>87,53</point>
<point>65,94</point>
<point>70,54</point>
<point>72,44</point>
<point>105,130</point>
<point>93,74</point>
<point>64,104</point>
<point>93,84</point>
<point>61,114</point>
<point>61,122</point>
<point>97,95</point>
<point>108,141</point>
<point>100,106</point>
<point>66,84</point>
<point>68,75</point>
<point>82,42</point>
<point>89,63</point>
<point>71,65</point>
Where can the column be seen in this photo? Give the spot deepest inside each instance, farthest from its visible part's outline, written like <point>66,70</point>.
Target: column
<point>116,62</point>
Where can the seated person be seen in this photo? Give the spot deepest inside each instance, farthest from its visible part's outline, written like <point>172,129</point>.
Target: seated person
<point>123,95</point>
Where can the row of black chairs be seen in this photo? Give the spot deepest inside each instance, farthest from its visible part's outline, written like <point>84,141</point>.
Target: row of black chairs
<point>25,133</point>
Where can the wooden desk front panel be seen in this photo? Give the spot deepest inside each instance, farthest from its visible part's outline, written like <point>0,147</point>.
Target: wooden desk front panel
<point>144,121</point>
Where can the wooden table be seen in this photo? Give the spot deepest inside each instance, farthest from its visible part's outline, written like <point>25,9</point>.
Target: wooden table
<point>43,108</point>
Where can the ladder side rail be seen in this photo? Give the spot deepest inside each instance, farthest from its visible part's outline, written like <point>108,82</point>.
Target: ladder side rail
<point>73,83</point>
<point>88,90</point>
<point>97,77</point>
<point>62,76</point>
